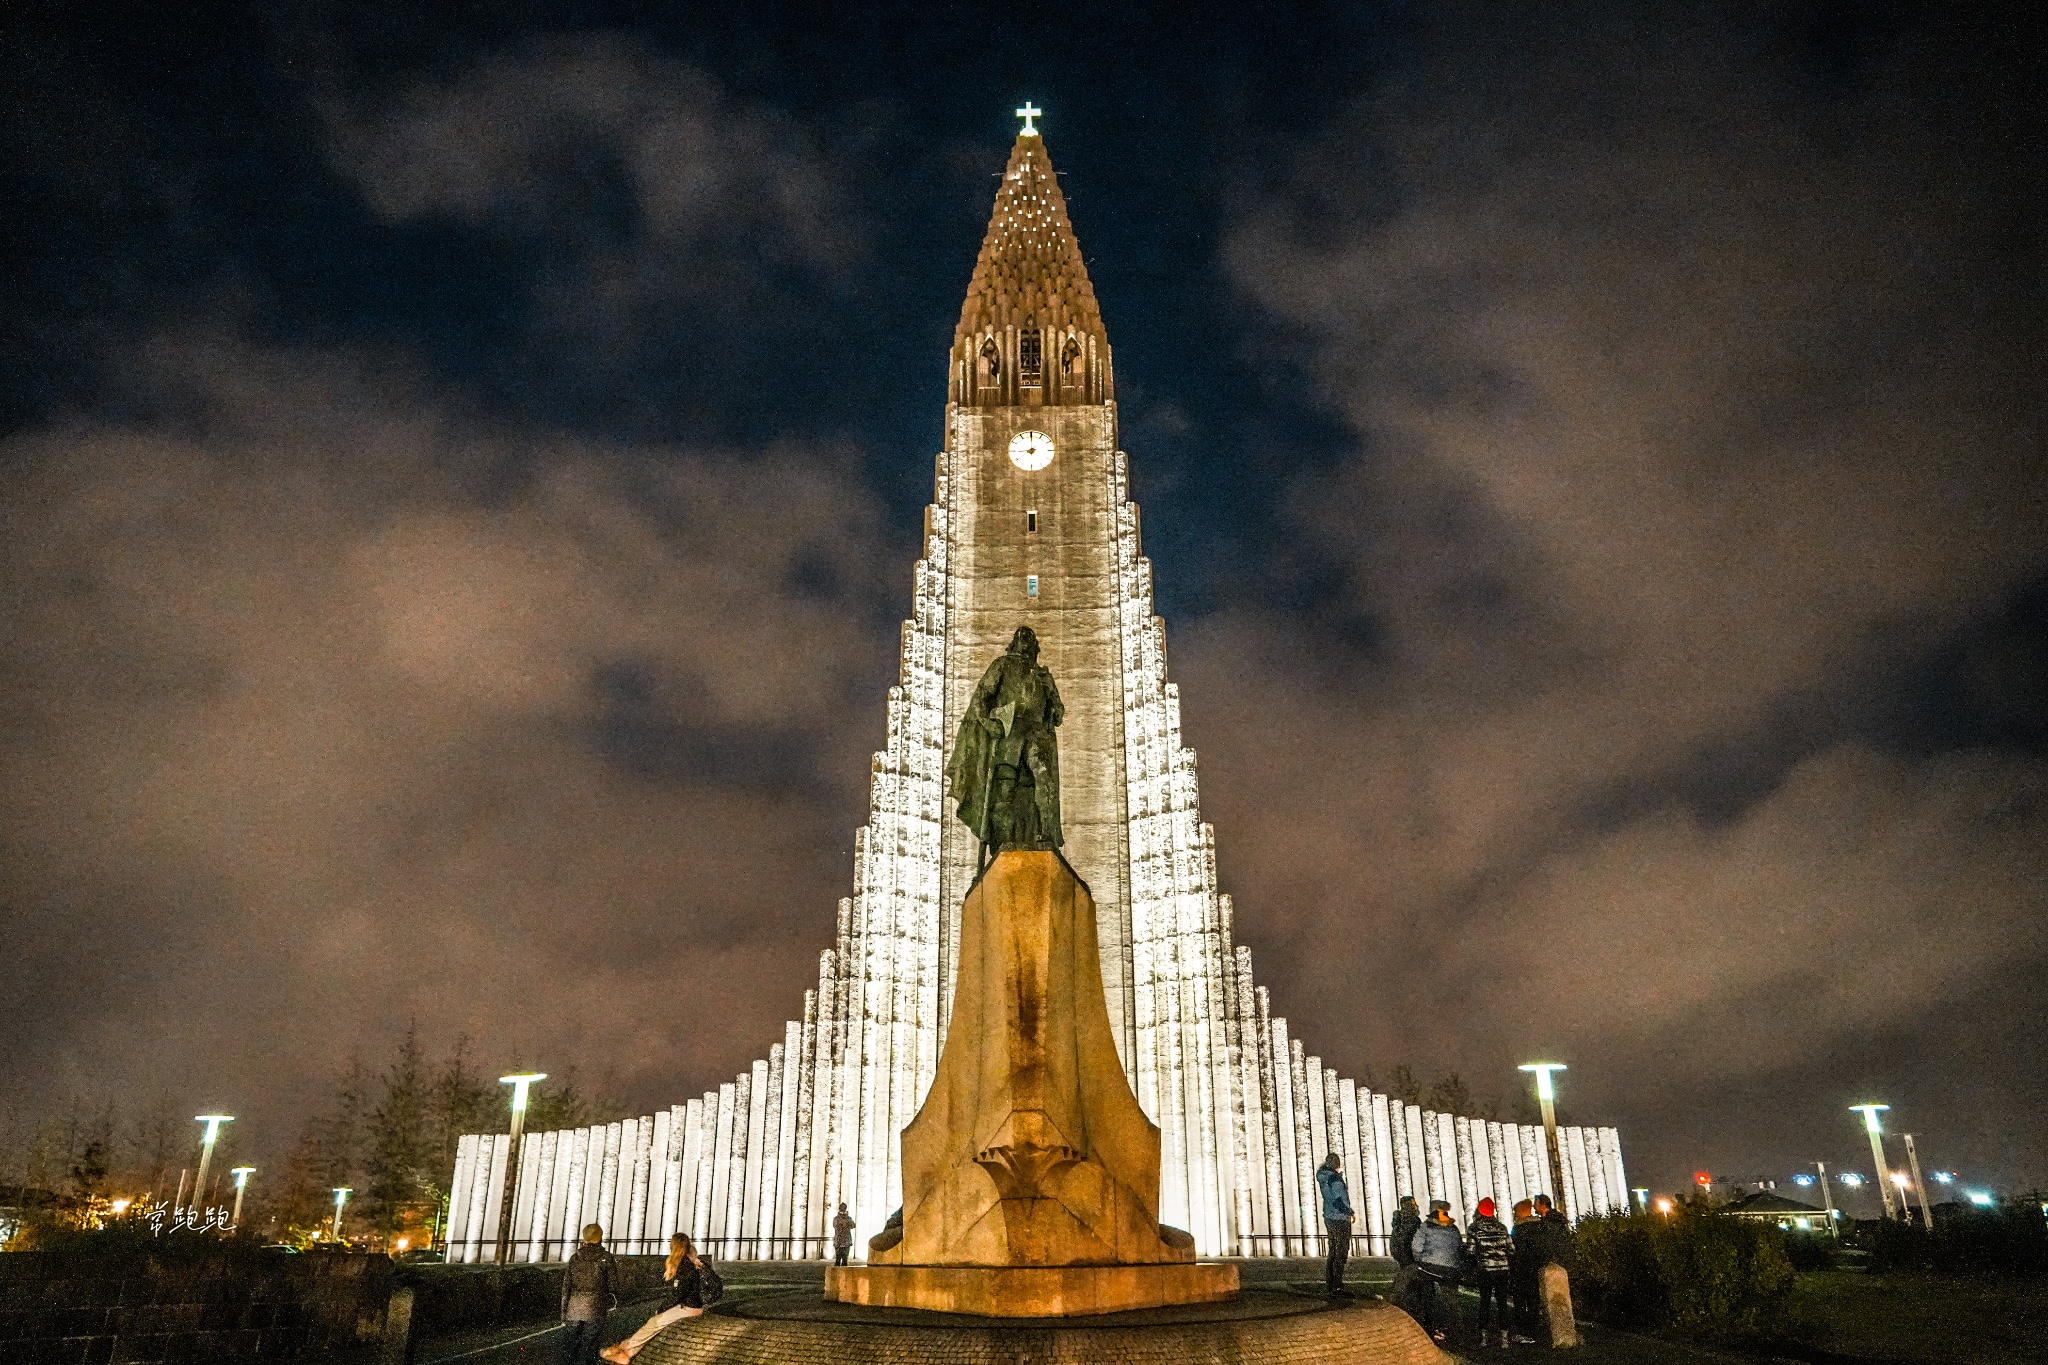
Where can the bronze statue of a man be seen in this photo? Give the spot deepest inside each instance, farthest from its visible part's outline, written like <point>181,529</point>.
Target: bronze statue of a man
<point>1004,775</point>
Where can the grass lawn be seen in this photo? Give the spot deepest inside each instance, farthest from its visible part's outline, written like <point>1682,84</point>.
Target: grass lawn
<point>1937,1319</point>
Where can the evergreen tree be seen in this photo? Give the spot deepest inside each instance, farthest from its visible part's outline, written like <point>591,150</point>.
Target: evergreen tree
<point>395,1137</point>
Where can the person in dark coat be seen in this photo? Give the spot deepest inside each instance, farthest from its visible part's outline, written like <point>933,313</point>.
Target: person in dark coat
<point>589,1283</point>
<point>1407,1218</point>
<point>683,1273</point>
<point>1545,1240</point>
<point>1522,1268</point>
<point>1488,1246</point>
<point>1337,1216</point>
<point>842,1236</point>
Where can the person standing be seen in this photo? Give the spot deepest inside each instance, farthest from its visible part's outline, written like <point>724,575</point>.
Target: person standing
<point>1337,1216</point>
<point>1439,1260</point>
<point>1522,1268</point>
<point>588,1284</point>
<point>684,1275</point>
<point>1488,1245</point>
<point>1551,1244</point>
<point>1404,1292</point>
<point>842,1236</point>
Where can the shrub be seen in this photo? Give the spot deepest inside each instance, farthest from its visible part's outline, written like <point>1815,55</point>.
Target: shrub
<point>1702,1272</point>
<point>2007,1239</point>
<point>1809,1250</point>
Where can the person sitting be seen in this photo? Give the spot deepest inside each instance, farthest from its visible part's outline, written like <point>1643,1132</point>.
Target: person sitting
<point>683,1274</point>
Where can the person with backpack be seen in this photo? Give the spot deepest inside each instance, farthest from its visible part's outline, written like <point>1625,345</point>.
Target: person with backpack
<point>684,1274</point>
<point>1489,1246</point>
<point>589,1283</point>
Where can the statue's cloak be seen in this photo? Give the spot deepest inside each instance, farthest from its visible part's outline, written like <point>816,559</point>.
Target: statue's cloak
<point>970,769</point>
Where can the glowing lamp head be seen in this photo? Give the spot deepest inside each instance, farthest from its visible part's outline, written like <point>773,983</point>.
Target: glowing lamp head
<point>1945,1177</point>
<point>1981,1198</point>
<point>1870,1113</point>
<point>241,1175</point>
<point>1850,1178</point>
<point>1899,1179</point>
<point>520,1084</point>
<point>1543,1070</point>
<point>341,1194</point>
<point>1802,1180</point>
<point>120,1206</point>
<point>213,1123</point>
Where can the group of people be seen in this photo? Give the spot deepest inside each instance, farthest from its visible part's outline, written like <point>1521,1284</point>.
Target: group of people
<point>1433,1256</point>
<point>590,1287</point>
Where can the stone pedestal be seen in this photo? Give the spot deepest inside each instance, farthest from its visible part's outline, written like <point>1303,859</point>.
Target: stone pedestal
<point>1031,1291</point>
<point>1031,1175</point>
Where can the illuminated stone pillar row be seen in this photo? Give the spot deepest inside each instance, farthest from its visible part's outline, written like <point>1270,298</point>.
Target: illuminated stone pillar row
<point>1386,1181</point>
<point>457,1233</point>
<point>1617,1178</point>
<point>532,1209</point>
<point>1467,1167</point>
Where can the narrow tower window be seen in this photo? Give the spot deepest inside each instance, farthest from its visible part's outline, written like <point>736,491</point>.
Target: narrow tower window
<point>1030,361</point>
<point>991,362</point>
<point>1031,520</point>
<point>1069,355</point>
<point>1031,585</point>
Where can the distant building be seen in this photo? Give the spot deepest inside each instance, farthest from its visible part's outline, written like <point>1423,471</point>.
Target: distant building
<point>1772,1207</point>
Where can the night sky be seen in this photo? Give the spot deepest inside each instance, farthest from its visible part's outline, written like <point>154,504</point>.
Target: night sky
<point>462,469</point>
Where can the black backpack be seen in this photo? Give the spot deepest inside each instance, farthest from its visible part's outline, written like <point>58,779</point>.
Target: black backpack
<point>710,1289</point>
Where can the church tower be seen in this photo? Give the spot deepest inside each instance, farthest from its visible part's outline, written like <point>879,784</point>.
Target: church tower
<point>1030,489</point>
<point>1031,523</point>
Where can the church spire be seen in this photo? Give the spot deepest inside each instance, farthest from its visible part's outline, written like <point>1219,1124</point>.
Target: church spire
<point>1030,333</point>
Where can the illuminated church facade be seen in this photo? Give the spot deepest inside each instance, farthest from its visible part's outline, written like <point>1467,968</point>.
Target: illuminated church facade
<point>1031,523</point>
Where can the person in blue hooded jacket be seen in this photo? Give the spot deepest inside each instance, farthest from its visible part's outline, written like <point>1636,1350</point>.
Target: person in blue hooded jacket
<point>1337,1216</point>
<point>1440,1258</point>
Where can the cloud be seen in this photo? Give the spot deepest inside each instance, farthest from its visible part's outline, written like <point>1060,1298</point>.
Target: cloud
<point>329,705</point>
<point>1691,403</point>
<point>534,140</point>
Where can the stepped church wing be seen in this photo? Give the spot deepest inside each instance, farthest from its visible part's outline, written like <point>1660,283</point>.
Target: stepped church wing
<point>1031,523</point>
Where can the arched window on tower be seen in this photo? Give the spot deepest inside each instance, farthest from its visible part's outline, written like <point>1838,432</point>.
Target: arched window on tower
<point>1070,361</point>
<point>991,363</point>
<point>1030,358</point>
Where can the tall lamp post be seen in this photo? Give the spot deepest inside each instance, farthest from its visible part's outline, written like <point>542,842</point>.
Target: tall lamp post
<point>1546,1096</point>
<point>1884,1175</point>
<point>1827,1199</point>
<point>213,1123</point>
<point>520,1084</point>
<point>341,1194</point>
<point>1913,1160</point>
<point>241,1175</point>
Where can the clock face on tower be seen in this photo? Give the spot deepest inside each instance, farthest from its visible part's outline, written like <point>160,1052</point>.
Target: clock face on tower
<point>1031,450</point>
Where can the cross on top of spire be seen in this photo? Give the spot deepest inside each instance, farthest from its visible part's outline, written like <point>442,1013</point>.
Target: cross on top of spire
<point>1029,112</point>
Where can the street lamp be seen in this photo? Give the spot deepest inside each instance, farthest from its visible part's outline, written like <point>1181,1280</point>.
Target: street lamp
<point>241,1175</point>
<point>213,1123</point>
<point>1547,1098</point>
<point>341,1194</point>
<point>1642,1198</point>
<point>1827,1199</point>
<point>1884,1184</point>
<point>520,1083</point>
<point>1913,1160</point>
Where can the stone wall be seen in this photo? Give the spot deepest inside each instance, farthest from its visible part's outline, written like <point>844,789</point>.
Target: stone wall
<point>84,1308</point>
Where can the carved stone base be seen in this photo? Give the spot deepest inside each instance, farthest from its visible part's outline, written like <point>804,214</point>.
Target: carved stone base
<point>1031,1291</point>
